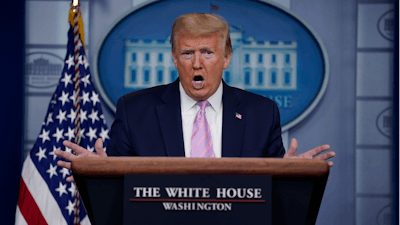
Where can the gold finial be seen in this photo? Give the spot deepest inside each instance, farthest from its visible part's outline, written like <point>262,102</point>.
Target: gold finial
<point>75,4</point>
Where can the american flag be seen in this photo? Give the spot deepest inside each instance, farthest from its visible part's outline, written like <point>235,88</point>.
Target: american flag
<point>45,197</point>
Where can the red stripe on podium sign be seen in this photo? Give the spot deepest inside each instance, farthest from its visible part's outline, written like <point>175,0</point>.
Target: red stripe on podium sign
<point>193,200</point>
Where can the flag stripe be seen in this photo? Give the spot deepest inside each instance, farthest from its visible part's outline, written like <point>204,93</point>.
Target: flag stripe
<point>19,219</point>
<point>28,208</point>
<point>41,193</point>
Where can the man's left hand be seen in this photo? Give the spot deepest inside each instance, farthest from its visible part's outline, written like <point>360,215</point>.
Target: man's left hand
<point>311,154</point>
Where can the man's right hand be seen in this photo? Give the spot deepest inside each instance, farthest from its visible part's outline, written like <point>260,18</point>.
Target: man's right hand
<point>80,153</point>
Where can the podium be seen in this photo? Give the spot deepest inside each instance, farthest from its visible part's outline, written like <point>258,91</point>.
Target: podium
<point>296,186</point>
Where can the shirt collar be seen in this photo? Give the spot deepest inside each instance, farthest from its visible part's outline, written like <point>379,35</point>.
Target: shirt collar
<point>215,100</point>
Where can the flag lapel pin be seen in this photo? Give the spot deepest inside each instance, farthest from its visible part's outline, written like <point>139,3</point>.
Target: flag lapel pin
<point>239,116</point>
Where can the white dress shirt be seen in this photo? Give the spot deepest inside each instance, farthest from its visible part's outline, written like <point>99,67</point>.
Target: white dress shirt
<point>189,109</point>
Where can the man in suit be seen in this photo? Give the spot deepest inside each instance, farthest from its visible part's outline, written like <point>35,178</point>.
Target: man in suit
<point>161,121</point>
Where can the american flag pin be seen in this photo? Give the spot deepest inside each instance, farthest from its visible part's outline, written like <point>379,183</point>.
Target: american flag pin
<point>238,116</point>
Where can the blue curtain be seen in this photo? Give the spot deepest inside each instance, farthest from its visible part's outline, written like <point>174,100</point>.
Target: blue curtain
<point>12,57</point>
<point>396,117</point>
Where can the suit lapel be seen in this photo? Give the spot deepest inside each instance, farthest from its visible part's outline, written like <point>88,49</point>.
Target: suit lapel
<point>169,115</point>
<point>232,127</point>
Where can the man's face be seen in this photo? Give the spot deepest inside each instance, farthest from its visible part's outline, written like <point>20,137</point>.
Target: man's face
<point>200,62</point>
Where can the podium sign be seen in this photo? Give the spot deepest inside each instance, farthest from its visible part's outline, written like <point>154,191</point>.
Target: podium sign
<point>197,199</point>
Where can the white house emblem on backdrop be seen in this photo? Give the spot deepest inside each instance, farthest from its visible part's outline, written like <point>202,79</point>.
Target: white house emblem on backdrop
<point>277,56</point>
<point>42,69</point>
<point>386,25</point>
<point>384,122</point>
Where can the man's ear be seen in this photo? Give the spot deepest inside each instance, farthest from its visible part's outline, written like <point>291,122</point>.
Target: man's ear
<point>227,60</point>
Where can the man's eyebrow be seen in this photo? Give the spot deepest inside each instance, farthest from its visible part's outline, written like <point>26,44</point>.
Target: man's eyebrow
<point>206,48</point>
<point>187,50</point>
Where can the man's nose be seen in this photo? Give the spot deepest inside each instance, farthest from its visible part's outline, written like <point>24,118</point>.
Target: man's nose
<point>197,61</point>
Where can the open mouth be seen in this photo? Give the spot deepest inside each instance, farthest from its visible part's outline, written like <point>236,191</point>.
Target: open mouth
<point>198,78</point>
<point>198,82</point>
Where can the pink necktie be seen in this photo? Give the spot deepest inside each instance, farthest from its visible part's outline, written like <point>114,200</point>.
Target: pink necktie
<point>202,144</point>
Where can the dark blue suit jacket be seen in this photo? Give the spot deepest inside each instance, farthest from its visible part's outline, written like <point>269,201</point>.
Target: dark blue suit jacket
<point>148,123</point>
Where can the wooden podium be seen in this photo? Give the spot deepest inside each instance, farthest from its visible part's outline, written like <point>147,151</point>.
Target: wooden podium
<point>297,185</point>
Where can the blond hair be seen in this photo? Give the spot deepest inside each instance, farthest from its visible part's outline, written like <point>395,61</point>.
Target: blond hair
<point>197,24</point>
